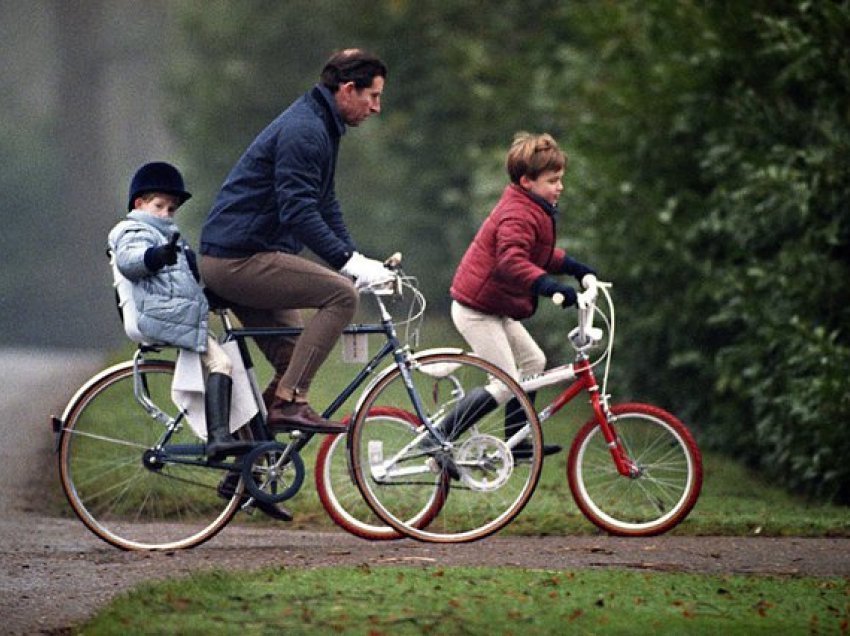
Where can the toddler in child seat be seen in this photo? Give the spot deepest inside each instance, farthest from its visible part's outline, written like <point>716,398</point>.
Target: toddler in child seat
<point>168,305</point>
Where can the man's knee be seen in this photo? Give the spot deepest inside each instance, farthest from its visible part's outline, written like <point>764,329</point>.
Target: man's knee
<point>345,297</point>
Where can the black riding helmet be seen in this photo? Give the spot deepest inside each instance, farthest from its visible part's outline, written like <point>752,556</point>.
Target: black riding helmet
<point>157,176</point>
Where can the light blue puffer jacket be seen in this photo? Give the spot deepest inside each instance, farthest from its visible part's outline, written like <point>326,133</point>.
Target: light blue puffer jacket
<point>171,305</point>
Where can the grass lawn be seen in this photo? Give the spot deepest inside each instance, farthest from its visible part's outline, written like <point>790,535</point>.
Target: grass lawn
<point>366,600</point>
<point>372,601</point>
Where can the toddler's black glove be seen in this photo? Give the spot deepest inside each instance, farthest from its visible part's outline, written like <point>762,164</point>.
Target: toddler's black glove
<point>572,267</point>
<point>158,257</point>
<point>548,286</point>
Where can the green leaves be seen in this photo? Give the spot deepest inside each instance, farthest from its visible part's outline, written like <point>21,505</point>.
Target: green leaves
<point>709,178</point>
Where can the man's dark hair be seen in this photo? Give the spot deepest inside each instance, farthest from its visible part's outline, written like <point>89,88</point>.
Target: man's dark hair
<point>352,65</point>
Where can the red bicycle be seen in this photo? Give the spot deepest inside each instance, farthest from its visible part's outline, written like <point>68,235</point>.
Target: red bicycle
<point>633,469</point>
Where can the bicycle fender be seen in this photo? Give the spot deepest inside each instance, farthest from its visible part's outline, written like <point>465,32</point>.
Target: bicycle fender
<point>91,381</point>
<point>385,372</point>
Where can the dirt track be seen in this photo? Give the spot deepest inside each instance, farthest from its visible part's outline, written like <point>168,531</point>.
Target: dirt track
<point>55,573</point>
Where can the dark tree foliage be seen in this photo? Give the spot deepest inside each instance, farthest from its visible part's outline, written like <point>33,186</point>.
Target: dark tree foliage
<point>708,178</point>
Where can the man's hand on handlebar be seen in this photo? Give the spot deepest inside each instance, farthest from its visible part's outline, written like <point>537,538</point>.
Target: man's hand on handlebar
<point>366,272</point>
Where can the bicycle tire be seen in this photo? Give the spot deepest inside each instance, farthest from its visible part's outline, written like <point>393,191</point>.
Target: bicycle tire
<point>480,486</point>
<point>660,496</point>
<point>339,494</point>
<point>104,437</point>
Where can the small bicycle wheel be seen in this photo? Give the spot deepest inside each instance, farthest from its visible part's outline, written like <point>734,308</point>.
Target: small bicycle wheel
<point>339,494</point>
<point>398,469</point>
<point>667,478</point>
<point>119,487</point>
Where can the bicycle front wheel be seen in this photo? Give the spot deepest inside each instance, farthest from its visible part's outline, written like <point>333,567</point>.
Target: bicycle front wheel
<point>339,494</point>
<point>118,489</point>
<point>476,479</point>
<point>665,483</point>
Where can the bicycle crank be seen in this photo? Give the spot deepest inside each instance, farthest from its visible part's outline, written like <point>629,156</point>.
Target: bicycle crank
<point>272,473</point>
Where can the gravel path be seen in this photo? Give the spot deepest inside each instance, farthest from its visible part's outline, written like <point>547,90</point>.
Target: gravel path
<point>54,573</point>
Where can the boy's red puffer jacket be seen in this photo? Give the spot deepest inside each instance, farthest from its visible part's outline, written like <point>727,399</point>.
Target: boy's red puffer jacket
<point>513,248</point>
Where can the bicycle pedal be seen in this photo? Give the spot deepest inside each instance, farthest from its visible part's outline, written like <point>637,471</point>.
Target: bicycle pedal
<point>275,512</point>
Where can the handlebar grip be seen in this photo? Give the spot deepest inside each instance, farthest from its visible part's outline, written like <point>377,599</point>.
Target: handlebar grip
<point>174,238</point>
<point>558,298</point>
<point>393,261</point>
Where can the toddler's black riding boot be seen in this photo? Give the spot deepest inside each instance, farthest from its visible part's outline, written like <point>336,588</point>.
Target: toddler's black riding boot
<point>220,442</point>
<point>514,420</point>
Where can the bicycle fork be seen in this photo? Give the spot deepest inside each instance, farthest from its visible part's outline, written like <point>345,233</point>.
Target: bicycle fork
<point>625,465</point>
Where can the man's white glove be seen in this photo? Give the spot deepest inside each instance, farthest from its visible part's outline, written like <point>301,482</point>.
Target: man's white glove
<point>366,271</point>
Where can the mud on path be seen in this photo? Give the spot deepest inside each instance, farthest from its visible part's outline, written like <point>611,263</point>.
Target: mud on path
<point>55,573</point>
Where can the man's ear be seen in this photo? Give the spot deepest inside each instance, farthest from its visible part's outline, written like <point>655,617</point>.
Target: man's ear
<point>525,182</point>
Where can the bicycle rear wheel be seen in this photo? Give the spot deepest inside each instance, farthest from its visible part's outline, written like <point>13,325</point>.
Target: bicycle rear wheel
<point>668,476</point>
<point>339,494</point>
<point>117,487</point>
<point>399,470</point>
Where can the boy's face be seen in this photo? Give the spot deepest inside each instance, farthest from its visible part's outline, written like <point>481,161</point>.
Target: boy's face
<point>548,185</point>
<point>160,204</point>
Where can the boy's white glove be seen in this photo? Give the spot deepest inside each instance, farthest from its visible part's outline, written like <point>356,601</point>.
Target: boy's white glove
<point>366,271</point>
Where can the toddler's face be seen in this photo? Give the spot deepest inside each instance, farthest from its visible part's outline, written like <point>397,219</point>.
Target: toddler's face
<point>161,205</point>
<point>548,185</point>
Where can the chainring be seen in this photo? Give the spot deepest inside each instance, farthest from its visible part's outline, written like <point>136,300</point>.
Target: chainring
<point>485,462</point>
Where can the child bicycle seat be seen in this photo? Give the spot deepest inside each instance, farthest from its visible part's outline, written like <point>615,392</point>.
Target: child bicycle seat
<point>127,310</point>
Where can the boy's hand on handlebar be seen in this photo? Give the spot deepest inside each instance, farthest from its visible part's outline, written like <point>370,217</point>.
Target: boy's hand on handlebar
<point>561,294</point>
<point>572,267</point>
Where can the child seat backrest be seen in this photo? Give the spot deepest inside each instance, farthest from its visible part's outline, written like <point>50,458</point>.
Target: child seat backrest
<point>126,305</point>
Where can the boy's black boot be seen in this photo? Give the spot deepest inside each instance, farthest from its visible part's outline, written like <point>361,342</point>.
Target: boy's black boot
<point>468,410</point>
<point>514,420</point>
<point>220,442</point>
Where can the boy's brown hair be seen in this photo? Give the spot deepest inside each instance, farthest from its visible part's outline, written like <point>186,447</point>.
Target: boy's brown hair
<point>531,155</point>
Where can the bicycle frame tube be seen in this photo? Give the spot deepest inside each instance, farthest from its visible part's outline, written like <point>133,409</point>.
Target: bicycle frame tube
<point>586,381</point>
<point>392,345</point>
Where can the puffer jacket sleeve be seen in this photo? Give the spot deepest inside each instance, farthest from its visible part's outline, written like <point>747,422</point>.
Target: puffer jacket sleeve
<point>556,263</point>
<point>515,238</point>
<point>129,241</point>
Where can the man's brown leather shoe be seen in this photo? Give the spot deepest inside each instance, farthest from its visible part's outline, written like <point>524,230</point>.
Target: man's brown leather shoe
<point>288,416</point>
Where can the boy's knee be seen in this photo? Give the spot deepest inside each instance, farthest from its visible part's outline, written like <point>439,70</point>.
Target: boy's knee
<point>536,364</point>
<point>221,365</point>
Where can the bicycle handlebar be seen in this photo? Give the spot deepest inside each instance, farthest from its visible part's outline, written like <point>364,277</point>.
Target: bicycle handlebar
<point>393,261</point>
<point>585,334</point>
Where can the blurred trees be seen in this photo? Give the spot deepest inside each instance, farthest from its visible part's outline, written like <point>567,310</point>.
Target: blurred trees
<point>708,177</point>
<point>79,111</point>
